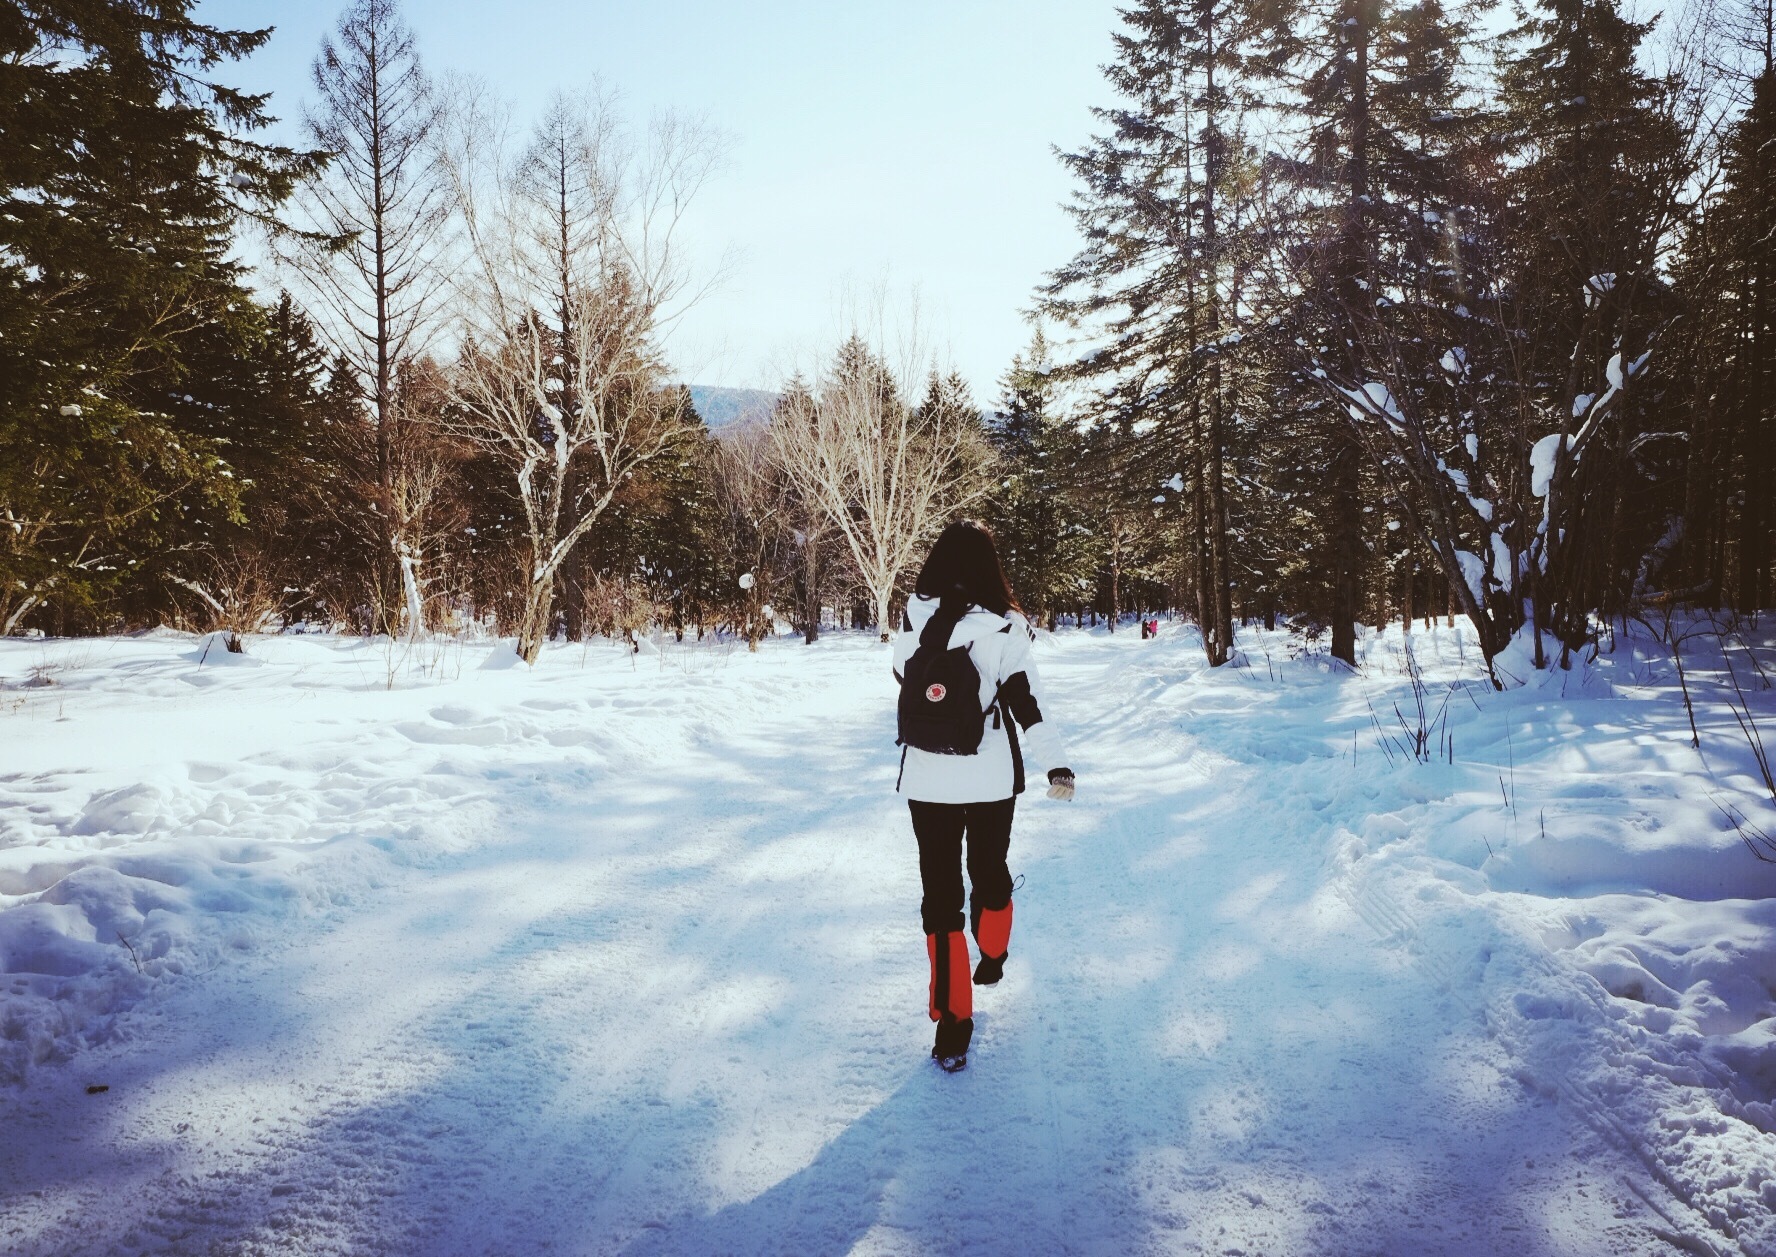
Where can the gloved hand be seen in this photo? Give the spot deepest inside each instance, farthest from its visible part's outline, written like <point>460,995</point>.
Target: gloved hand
<point>1060,783</point>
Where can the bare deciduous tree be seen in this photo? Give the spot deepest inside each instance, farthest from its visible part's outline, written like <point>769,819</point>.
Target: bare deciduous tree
<point>885,474</point>
<point>573,268</point>
<point>764,544</point>
<point>376,216</point>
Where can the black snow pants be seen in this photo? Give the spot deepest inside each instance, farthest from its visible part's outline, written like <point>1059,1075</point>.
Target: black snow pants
<point>942,830</point>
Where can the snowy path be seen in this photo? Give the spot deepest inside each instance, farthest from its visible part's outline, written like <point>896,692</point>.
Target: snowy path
<point>664,995</point>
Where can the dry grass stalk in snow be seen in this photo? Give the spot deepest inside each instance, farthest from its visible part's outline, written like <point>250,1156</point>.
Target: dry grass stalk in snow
<point>243,596</point>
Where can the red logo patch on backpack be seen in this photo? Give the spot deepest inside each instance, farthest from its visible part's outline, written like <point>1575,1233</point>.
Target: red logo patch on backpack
<point>936,693</point>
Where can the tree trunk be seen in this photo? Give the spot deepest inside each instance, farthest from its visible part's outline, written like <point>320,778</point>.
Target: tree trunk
<point>1381,608</point>
<point>1347,519</point>
<point>1406,588</point>
<point>414,605</point>
<point>1759,466</point>
<point>573,605</point>
<point>533,624</point>
<point>1753,593</point>
<point>1220,596</point>
<point>811,591</point>
<point>1115,571</point>
<point>1201,553</point>
<point>1347,543</point>
<point>1218,549</point>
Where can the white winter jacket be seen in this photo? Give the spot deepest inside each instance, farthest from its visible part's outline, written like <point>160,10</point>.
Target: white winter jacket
<point>1000,648</point>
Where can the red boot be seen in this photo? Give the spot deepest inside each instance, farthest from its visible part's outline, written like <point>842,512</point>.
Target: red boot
<point>952,998</point>
<point>992,931</point>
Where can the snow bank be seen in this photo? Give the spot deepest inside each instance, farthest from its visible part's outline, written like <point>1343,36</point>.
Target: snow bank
<point>165,802</point>
<point>1576,875</point>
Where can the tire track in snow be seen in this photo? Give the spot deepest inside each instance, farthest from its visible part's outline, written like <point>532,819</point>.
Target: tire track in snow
<point>1395,927</point>
<point>382,1151</point>
<point>401,1186</point>
<point>1692,1226</point>
<point>1161,730</point>
<point>1073,1042</point>
<point>1055,1142</point>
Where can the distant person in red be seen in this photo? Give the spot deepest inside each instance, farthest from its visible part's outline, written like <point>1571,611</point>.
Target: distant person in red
<point>967,685</point>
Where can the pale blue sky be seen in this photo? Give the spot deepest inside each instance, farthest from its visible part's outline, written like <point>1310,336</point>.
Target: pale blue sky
<point>903,142</point>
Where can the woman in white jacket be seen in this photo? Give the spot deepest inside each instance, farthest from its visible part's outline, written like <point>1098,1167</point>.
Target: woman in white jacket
<point>962,796</point>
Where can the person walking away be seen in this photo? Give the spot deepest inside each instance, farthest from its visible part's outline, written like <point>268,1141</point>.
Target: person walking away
<point>968,684</point>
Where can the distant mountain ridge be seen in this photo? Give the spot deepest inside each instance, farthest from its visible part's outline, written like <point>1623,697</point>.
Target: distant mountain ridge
<point>721,407</point>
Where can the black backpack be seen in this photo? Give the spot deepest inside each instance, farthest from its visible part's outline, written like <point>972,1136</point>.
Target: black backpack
<point>940,707</point>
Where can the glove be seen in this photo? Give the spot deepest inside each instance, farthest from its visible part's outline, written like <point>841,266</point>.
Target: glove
<point>1060,783</point>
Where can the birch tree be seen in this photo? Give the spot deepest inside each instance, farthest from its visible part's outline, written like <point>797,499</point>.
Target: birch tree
<point>885,474</point>
<point>573,264</point>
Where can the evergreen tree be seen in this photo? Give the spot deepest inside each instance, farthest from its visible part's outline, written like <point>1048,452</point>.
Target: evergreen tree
<point>263,382</point>
<point>1592,204</point>
<point>1408,339</point>
<point>127,167</point>
<point>673,528</point>
<point>1360,188</point>
<point>1163,207</point>
<point>1728,279</point>
<point>1044,540</point>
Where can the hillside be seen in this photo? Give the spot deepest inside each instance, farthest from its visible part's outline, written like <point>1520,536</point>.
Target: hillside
<point>721,407</point>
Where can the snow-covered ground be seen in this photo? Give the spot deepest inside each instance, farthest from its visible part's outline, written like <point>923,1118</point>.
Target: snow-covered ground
<point>426,953</point>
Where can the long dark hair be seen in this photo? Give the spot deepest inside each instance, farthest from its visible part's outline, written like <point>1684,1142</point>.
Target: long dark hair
<point>963,567</point>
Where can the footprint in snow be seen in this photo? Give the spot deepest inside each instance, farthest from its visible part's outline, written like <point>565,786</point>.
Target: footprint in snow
<point>467,735</point>
<point>548,704</point>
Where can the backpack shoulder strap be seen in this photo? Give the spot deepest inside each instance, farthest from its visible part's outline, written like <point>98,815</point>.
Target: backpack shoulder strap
<point>938,628</point>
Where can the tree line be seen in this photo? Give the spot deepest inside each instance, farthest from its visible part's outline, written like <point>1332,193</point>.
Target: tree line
<point>1380,311</point>
<point>1433,309</point>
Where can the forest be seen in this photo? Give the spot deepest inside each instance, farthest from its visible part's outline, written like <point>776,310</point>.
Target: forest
<point>1380,311</point>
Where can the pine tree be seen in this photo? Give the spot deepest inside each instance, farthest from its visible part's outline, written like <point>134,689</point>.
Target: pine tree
<point>1163,208</point>
<point>1593,203</point>
<point>670,529</point>
<point>1044,540</point>
<point>1737,273</point>
<point>1325,50</point>
<point>127,168</point>
<point>262,396</point>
